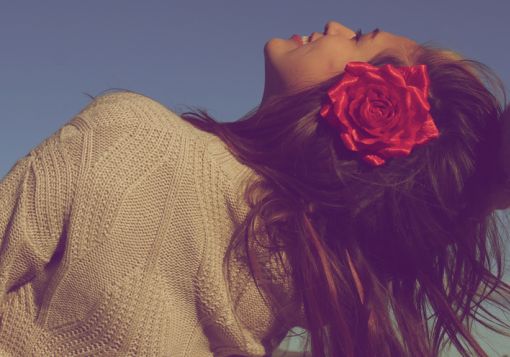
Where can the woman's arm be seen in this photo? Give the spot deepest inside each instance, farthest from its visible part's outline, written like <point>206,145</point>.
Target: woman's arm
<point>34,202</point>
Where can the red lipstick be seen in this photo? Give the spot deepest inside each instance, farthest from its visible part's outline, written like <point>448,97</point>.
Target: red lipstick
<point>297,39</point>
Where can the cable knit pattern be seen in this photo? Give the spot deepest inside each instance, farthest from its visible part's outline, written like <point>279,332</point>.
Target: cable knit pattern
<point>113,232</point>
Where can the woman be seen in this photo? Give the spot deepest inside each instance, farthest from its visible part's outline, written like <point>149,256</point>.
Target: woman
<point>356,201</point>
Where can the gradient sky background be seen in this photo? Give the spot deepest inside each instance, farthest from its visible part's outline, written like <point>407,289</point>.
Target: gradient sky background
<point>188,53</point>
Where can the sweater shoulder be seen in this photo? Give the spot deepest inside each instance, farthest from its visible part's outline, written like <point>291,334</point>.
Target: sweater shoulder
<point>128,107</point>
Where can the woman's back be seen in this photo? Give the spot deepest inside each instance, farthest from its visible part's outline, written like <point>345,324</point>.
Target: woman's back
<point>116,241</point>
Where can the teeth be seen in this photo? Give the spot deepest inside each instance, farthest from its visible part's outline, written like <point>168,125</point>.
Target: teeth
<point>305,39</point>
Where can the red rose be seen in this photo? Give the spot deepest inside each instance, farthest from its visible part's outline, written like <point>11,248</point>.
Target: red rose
<point>381,112</point>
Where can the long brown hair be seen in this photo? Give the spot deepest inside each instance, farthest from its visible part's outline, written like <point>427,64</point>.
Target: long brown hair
<point>389,261</point>
<point>397,260</point>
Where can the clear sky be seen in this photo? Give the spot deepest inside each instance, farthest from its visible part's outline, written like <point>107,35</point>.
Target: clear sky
<point>205,54</point>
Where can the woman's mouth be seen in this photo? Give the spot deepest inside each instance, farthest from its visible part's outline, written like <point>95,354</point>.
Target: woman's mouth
<point>297,39</point>
<point>300,40</point>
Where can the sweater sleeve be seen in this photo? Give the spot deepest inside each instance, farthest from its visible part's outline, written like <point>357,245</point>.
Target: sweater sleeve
<point>35,198</point>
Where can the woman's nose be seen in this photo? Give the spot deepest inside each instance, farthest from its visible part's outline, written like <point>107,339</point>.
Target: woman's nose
<point>336,28</point>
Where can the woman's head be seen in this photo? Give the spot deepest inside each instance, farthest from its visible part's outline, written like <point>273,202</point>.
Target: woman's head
<point>292,66</point>
<point>418,231</point>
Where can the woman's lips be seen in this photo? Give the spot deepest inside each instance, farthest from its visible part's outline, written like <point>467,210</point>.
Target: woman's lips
<point>297,39</point>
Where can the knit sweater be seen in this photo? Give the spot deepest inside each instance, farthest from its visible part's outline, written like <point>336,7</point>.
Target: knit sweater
<point>113,232</point>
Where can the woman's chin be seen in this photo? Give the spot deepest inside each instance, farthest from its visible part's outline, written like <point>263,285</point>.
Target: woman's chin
<point>278,46</point>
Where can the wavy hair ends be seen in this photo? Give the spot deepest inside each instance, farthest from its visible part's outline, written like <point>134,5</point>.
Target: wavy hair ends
<point>397,260</point>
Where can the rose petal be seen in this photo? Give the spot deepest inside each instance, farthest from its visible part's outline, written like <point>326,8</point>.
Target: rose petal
<point>427,132</point>
<point>349,143</point>
<point>418,77</point>
<point>374,160</point>
<point>339,89</point>
<point>375,78</point>
<point>353,111</point>
<point>339,109</point>
<point>392,75</point>
<point>369,143</point>
<point>359,69</point>
<point>395,151</point>
<point>418,97</point>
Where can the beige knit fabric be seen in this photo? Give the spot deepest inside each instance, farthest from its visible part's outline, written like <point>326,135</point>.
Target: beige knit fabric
<point>113,232</point>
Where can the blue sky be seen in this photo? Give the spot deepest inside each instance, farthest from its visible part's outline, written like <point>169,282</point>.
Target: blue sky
<point>205,54</point>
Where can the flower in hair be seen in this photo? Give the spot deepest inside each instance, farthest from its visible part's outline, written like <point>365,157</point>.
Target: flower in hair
<point>381,112</point>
